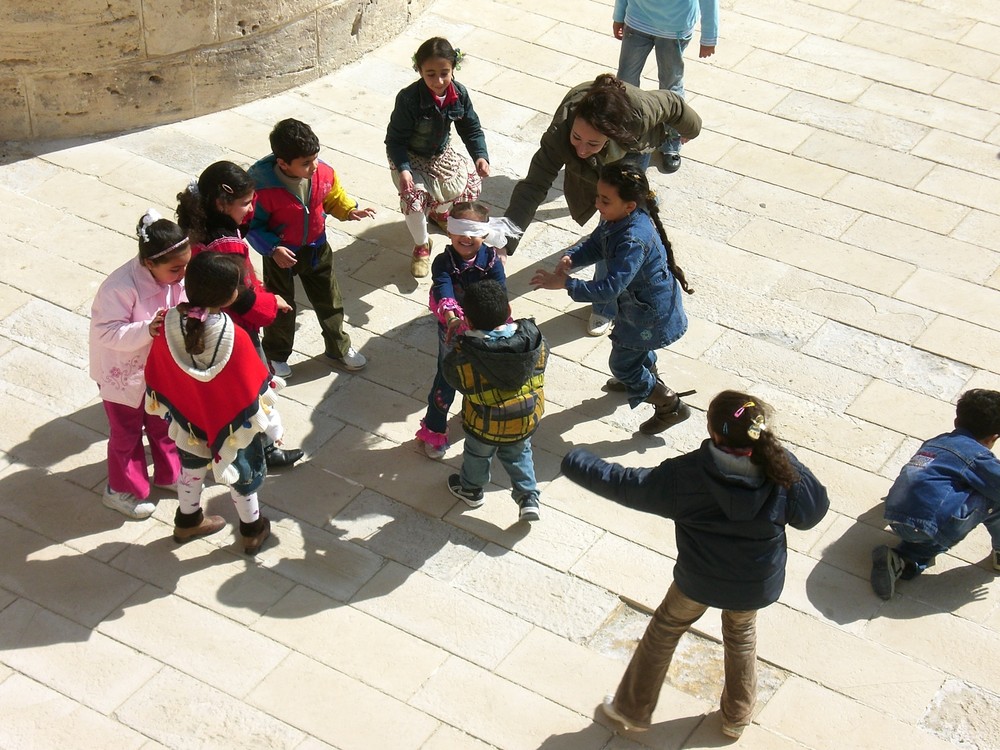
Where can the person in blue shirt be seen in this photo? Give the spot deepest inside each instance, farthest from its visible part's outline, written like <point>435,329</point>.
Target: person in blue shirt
<point>644,283</point>
<point>949,487</point>
<point>666,27</point>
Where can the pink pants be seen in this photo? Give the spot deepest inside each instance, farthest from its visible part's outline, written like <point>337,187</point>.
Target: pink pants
<point>126,456</point>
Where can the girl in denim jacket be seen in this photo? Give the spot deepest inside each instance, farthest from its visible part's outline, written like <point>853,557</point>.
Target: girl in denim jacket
<point>643,281</point>
<point>428,173</point>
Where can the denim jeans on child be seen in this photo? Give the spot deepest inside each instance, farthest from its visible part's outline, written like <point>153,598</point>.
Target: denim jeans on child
<point>632,368</point>
<point>640,687</point>
<point>920,548</point>
<point>441,395</point>
<point>515,458</point>
<point>636,47</point>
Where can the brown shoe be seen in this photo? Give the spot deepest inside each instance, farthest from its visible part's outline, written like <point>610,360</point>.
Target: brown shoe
<point>420,263</point>
<point>191,526</point>
<point>668,410</point>
<point>255,534</point>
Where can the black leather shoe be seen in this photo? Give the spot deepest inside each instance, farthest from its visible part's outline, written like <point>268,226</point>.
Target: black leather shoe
<point>669,163</point>
<point>278,457</point>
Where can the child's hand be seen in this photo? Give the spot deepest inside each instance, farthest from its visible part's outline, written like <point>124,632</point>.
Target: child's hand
<point>483,167</point>
<point>357,214</point>
<point>156,324</point>
<point>618,29</point>
<point>565,265</point>
<point>282,305</point>
<point>706,51</point>
<point>405,182</point>
<point>454,325</point>
<point>545,280</point>
<point>284,257</point>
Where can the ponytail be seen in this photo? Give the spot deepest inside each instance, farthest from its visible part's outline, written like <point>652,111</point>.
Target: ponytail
<point>739,421</point>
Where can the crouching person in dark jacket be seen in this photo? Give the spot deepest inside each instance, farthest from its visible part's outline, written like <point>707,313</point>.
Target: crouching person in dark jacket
<point>730,501</point>
<point>498,366</point>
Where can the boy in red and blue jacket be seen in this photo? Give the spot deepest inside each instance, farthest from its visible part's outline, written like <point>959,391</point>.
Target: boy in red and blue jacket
<point>295,192</point>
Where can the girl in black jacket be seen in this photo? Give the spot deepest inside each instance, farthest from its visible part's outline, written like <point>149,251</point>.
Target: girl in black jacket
<point>730,500</point>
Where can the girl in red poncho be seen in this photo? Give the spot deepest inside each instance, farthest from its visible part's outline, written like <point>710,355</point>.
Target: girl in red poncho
<point>204,376</point>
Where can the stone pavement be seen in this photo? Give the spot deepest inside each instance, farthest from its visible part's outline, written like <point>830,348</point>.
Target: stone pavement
<point>838,217</point>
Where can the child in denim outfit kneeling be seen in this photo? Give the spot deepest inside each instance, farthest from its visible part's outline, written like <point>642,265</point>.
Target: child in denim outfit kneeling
<point>499,368</point>
<point>950,486</point>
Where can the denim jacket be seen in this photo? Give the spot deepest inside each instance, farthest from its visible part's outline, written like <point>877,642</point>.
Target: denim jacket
<point>650,311</point>
<point>416,125</point>
<point>951,476</point>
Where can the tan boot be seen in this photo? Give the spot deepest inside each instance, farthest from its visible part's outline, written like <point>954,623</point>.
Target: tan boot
<point>188,526</point>
<point>420,263</point>
<point>668,410</point>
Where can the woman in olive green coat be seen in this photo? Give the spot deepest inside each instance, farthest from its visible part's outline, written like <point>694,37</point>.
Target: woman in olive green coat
<point>597,123</point>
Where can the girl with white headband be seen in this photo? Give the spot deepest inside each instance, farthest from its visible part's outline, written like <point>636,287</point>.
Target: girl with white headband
<point>126,316</point>
<point>472,256</point>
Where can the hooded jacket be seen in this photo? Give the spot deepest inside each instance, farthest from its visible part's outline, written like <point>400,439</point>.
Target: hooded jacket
<point>729,518</point>
<point>502,382</point>
<point>216,401</point>
<point>656,113</point>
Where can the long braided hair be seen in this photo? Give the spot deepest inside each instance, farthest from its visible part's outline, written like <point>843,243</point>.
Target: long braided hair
<point>739,422</point>
<point>631,184</point>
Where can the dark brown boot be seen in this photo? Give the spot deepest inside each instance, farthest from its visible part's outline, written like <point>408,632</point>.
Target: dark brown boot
<point>668,410</point>
<point>188,526</point>
<point>255,534</point>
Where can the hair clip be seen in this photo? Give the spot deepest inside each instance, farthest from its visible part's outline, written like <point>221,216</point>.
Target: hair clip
<point>226,187</point>
<point>148,219</point>
<point>193,187</point>
<point>753,431</point>
<point>739,412</point>
<point>198,313</point>
<point>459,56</point>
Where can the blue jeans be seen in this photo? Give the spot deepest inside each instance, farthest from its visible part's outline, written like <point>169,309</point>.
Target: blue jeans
<point>636,47</point>
<point>515,458</point>
<point>249,462</point>
<point>632,368</point>
<point>920,548</point>
<point>442,395</point>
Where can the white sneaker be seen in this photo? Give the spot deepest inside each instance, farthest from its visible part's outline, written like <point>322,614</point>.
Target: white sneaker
<point>281,369</point>
<point>598,325</point>
<point>128,504</point>
<point>433,452</point>
<point>352,361</point>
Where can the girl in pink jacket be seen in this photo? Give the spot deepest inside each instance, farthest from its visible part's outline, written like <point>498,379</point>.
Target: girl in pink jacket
<point>127,313</point>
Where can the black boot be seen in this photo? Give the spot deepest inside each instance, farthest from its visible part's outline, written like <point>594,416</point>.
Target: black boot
<point>277,457</point>
<point>668,410</point>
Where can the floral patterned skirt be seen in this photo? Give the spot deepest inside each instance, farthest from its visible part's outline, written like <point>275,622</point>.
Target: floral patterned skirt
<point>439,181</point>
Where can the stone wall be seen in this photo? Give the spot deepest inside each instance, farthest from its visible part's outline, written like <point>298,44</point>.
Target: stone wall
<point>84,67</point>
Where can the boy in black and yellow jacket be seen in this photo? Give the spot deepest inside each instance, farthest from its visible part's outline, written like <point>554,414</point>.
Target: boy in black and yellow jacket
<point>499,368</point>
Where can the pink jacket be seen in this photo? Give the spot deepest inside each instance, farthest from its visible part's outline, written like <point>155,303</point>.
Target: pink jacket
<point>119,330</point>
